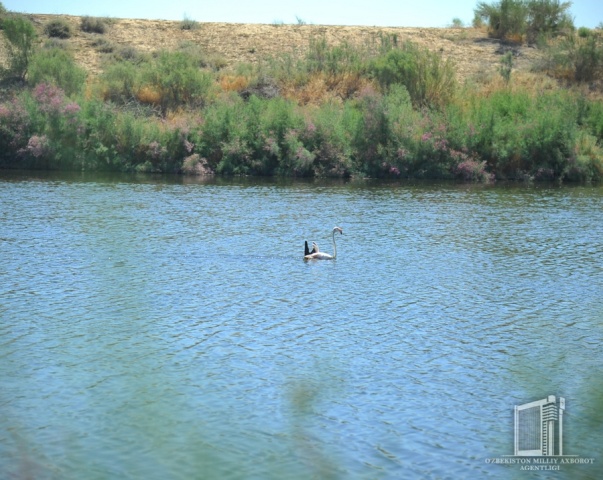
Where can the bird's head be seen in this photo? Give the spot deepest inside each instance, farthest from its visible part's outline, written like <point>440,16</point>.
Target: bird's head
<point>338,229</point>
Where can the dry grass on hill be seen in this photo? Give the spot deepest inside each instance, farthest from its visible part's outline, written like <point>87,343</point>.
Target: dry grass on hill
<point>473,53</point>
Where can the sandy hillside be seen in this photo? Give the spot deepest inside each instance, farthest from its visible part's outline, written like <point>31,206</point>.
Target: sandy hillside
<point>471,50</point>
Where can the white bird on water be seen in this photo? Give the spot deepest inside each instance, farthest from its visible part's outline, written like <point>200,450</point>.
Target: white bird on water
<point>316,254</point>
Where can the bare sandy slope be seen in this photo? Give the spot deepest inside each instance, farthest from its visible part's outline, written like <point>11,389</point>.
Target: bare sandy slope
<point>473,53</point>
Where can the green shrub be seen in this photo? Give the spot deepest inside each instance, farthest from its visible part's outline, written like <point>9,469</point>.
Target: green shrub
<point>260,137</point>
<point>278,130</point>
<point>103,45</point>
<point>594,119</point>
<point>588,60</point>
<point>548,18</point>
<point>132,143</point>
<point>57,66</point>
<point>51,43</point>
<point>506,19</point>
<point>336,69</point>
<point>93,25</point>
<point>587,166</point>
<point>41,128</point>
<point>129,54</point>
<point>130,139</point>
<point>330,135</point>
<point>177,81</point>
<point>550,132</point>
<point>195,53</point>
<point>516,19</point>
<point>58,28</point>
<point>518,133</point>
<point>575,59</point>
<point>188,24</point>
<point>427,145</point>
<point>15,130</point>
<point>324,58</point>
<point>506,66</point>
<point>371,135</point>
<point>120,82</point>
<point>429,79</point>
<point>224,128</point>
<point>20,45</point>
<point>62,125</point>
<point>98,136</point>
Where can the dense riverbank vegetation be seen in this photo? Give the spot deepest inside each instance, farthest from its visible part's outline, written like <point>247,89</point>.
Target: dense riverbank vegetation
<point>389,109</point>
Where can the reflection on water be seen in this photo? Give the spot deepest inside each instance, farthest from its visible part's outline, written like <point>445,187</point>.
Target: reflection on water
<point>169,328</point>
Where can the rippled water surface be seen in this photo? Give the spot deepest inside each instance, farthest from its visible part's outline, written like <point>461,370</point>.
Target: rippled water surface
<point>163,328</point>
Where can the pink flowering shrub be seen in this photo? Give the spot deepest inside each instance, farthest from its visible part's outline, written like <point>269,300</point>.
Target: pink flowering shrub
<point>474,171</point>
<point>196,165</point>
<point>50,99</point>
<point>15,127</point>
<point>38,146</point>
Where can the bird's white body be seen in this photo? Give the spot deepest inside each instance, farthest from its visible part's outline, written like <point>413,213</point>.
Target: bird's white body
<point>319,256</point>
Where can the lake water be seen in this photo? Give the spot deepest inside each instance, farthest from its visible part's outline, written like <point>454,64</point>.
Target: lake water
<point>168,328</point>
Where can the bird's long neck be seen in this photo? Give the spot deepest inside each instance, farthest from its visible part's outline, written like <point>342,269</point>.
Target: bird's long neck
<point>334,246</point>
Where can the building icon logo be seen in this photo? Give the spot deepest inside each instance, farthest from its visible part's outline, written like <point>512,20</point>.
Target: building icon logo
<point>539,427</point>
<point>538,445</point>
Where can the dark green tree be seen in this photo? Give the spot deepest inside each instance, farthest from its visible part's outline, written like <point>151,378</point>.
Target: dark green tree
<point>548,18</point>
<point>21,36</point>
<point>519,19</point>
<point>505,19</point>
